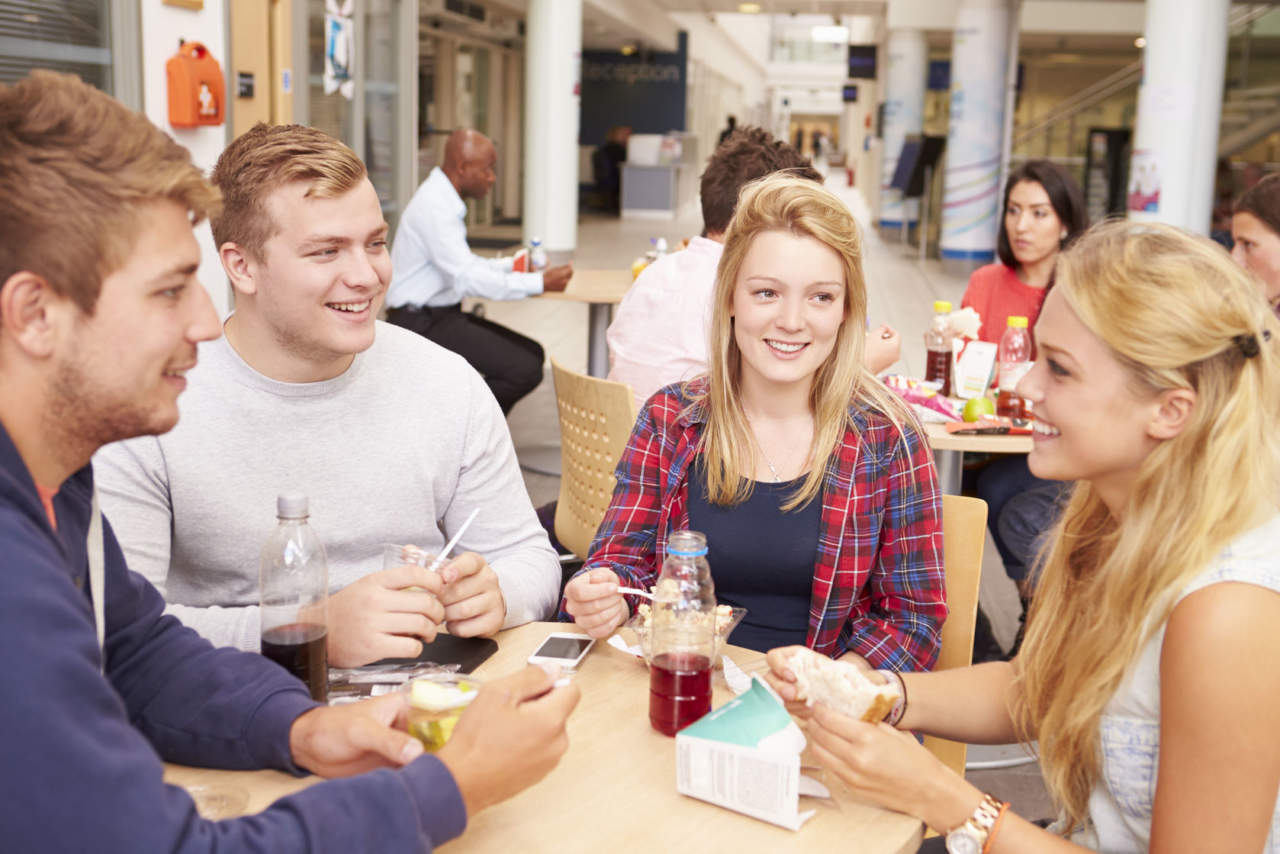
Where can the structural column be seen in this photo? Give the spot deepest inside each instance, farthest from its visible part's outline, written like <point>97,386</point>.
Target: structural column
<point>905,77</point>
<point>975,136</point>
<point>553,74</point>
<point>1175,149</point>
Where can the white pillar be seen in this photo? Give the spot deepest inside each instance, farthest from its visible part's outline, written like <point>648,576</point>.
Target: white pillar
<point>1175,150</point>
<point>975,136</point>
<point>553,79</point>
<point>906,74</point>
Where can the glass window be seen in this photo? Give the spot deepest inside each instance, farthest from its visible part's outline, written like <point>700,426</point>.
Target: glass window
<point>72,36</point>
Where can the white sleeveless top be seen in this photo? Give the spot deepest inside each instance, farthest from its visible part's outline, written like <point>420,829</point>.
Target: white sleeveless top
<point>1121,803</point>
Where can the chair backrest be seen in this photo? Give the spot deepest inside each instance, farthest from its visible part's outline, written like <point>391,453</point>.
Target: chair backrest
<point>596,417</point>
<point>964,533</point>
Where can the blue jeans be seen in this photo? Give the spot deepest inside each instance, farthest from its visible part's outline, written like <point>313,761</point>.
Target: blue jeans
<point>1021,509</point>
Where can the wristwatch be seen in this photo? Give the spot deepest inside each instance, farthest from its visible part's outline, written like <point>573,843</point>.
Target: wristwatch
<point>971,837</point>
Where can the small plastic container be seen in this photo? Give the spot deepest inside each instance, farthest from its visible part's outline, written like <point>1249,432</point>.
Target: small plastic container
<point>435,705</point>
<point>640,625</point>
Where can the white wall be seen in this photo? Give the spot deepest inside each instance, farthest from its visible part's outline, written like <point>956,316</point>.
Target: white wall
<point>1038,16</point>
<point>162,27</point>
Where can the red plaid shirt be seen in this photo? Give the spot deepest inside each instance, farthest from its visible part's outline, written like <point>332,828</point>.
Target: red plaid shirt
<point>878,586</point>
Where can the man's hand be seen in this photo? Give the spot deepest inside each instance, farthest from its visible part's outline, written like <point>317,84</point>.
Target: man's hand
<point>339,741</point>
<point>509,738</point>
<point>382,616</point>
<point>593,600</point>
<point>884,345</point>
<point>472,598</point>
<point>556,278</point>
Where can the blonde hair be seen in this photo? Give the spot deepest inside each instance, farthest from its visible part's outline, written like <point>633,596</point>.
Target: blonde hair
<point>802,207</point>
<point>1177,313</point>
<point>76,168</point>
<point>265,158</point>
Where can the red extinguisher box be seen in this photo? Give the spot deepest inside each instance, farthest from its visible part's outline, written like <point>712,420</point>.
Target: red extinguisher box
<point>197,92</point>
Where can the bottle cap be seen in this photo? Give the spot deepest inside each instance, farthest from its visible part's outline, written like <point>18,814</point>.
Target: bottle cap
<point>536,241</point>
<point>292,505</point>
<point>1017,321</point>
<point>941,305</point>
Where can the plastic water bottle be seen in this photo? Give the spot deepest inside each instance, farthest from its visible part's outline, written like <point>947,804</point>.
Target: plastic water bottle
<point>293,581</point>
<point>659,246</point>
<point>1015,361</point>
<point>683,635</point>
<point>537,256</point>
<point>937,343</point>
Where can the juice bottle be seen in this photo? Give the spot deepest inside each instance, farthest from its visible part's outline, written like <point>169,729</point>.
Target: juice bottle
<point>1015,361</point>
<point>937,342</point>
<point>683,635</point>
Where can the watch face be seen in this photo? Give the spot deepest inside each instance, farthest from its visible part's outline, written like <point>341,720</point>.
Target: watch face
<point>962,841</point>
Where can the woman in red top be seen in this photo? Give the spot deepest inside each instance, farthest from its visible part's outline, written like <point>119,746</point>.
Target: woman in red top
<point>1043,214</point>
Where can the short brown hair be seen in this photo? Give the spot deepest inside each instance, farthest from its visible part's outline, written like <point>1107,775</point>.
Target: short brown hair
<point>75,168</point>
<point>265,158</point>
<point>747,154</point>
<point>1263,201</point>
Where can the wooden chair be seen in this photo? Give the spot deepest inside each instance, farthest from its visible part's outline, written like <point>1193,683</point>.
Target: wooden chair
<point>964,533</point>
<point>596,417</point>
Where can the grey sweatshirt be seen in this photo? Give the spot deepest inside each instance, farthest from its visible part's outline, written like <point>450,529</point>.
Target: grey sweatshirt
<point>398,449</point>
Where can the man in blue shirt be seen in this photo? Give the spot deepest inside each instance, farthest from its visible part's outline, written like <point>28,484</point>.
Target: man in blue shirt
<point>435,270</point>
<point>100,317</point>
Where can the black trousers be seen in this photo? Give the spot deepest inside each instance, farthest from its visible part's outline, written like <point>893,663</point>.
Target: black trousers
<point>509,362</point>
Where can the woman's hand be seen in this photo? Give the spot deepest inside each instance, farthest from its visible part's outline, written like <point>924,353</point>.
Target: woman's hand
<point>891,768</point>
<point>783,681</point>
<point>593,600</point>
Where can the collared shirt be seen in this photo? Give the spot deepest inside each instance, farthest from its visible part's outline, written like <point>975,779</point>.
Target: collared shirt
<point>659,331</point>
<point>878,584</point>
<point>431,262</point>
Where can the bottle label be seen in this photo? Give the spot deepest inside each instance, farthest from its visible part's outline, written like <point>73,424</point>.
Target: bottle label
<point>1011,373</point>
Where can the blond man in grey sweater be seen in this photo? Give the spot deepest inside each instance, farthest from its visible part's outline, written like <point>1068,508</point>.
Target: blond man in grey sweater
<point>394,439</point>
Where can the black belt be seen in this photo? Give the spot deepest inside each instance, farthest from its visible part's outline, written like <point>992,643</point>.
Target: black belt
<point>428,310</point>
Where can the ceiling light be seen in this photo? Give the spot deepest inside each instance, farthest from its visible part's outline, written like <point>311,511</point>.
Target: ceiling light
<point>749,8</point>
<point>628,49</point>
<point>1140,42</point>
<point>830,34</point>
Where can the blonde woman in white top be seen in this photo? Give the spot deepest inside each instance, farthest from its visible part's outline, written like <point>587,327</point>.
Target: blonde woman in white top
<point>1149,672</point>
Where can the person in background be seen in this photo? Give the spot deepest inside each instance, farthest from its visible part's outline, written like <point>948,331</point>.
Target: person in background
<point>730,124</point>
<point>1043,214</point>
<point>100,317</point>
<point>1148,674</point>
<point>435,271</point>
<point>393,438</point>
<point>606,165</point>
<point>659,332</point>
<point>812,481</point>
<point>1256,229</point>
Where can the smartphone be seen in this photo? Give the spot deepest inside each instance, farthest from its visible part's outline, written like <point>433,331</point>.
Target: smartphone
<point>564,649</point>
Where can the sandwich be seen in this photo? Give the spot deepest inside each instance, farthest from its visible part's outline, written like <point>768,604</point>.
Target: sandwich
<point>841,687</point>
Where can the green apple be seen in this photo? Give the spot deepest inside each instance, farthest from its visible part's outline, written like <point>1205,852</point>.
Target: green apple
<point>976,407</point>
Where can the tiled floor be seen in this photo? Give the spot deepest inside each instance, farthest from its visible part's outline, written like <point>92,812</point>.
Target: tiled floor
<point>901,290</point>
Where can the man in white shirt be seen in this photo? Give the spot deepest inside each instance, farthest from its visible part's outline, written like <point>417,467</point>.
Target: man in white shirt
<point>659,333</point>
<point>435,270</point>
<point>394,439</point>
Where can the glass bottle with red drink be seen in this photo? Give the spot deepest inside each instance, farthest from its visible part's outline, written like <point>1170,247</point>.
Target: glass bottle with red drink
<point>293,582</point>
<point>682,635</point>
<point>1015,361</point>
<point>937,343</point>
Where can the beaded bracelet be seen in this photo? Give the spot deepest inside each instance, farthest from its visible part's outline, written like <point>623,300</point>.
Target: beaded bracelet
<point>900,707</point>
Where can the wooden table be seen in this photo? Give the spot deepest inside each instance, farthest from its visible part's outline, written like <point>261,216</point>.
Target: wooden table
<point>949,448</point>
<point>615,788</point>
<point>600,290</point>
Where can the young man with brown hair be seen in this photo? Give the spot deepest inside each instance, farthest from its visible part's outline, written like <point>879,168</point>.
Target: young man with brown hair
<point>659,333</point>
<point>393,438</point>
<point>100,317</point>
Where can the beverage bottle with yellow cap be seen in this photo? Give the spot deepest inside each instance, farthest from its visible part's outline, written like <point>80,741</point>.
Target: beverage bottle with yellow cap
<point>1015,361</point>
<point>937,343</point>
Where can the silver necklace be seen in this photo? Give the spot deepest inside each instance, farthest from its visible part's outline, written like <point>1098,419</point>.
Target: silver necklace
<point>767,461</point>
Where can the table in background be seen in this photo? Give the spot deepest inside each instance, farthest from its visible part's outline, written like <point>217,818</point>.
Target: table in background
<point>949,448</point>
<point>599,289</point>
<point>615,788</point>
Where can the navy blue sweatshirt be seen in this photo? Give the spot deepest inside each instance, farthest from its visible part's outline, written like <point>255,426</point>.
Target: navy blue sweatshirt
<point>81,753</point>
